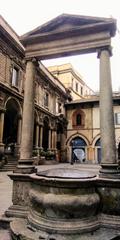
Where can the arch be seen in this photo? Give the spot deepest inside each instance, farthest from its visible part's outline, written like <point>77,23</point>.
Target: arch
<point>78,148</point>
<point>78,141</point>
<point>78,118</point>
<point>12,115</point>
<point>97,146</point>
<point>17,103</point>
<point>77,135</point>
<point>95,140</point>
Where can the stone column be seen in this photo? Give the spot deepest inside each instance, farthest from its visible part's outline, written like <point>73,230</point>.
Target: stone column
<point>37,138</point>
<point>19,129</point>
<point>1,130</point>
<point>28,116</point>
<point>41,136</point>
<point>50,134</point>
<point>106,111</point>
<point>63,146</point>
<point>17,147</point>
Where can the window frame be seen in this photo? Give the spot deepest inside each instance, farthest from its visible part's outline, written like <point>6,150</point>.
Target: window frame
<point>15,76</point>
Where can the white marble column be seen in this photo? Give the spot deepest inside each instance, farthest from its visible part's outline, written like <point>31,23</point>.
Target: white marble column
<point>106,109</point>
<point>28,114</point>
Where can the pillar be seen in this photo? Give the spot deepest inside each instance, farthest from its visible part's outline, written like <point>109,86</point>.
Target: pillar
<point>17,147</point>
<point>50,139</point>
<point>37,138</point>
<point>1,130</point>
<point>19,129</point>
<point>41,136</point>
<point>28,115</point>
<point>63,146</point>
<point>106,111</point>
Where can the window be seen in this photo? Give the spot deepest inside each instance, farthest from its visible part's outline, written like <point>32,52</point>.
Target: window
<point>117,118</point>
<point>72,82</point>
<point>59,107</point>
<point>15,75</point>
<point>76,87</point>
<point>46,96</point>
<point>78,119</point>
<point>81,90</point>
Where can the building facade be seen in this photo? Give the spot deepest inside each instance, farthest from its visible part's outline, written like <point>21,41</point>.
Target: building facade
<point>71,80</point>
<point>50,96</point>
<point>83,130</point>
<point>69,129</point>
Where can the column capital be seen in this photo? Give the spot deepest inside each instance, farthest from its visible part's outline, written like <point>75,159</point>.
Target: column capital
<point>31,59</point>
<point>105,48</point>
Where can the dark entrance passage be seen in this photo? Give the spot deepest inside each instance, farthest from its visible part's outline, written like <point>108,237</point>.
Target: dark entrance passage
<point>10,125</point>
<point>78,150</point>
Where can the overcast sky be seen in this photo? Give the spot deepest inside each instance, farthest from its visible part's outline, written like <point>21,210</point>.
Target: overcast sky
<point>25,15</point>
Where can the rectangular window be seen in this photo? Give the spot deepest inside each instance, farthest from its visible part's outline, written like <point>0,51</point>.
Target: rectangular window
<point>81,90</point>
<point>117,118</point>
<point>46,96</point>
<point>59,107</point>
<point>76,87</point>
<point>15,75</point>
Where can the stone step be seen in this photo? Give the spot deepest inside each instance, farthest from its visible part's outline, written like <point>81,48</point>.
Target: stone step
<point>10,166</point>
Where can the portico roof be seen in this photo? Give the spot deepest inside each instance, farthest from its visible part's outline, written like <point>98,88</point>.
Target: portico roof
<point>67,35</point>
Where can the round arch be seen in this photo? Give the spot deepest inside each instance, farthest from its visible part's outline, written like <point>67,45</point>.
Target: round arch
<point>16,102</point>
<point>97,147</point>
<point>77,135</point>
<point>77,148</point>
<point>12,115</point>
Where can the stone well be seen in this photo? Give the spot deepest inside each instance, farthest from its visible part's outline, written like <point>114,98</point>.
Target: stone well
<point>63,201</point>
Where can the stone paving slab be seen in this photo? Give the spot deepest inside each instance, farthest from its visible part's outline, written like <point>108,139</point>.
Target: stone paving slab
<point>5,191</point>
<point>5,235</point>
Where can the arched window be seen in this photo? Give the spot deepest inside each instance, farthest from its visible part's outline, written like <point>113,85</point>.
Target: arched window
<point>78,119</point>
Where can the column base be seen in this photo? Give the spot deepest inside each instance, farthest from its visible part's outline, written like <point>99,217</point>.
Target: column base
<point>111,170</point>
<point>25,166</point>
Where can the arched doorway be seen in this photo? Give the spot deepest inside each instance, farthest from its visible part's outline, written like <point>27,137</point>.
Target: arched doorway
<point>45,143</point>
<point>78,150</point>
<point>11,125</point>
<point>98,150</point>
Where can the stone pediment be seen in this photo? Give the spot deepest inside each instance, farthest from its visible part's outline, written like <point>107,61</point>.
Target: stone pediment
<point>68,35</point>
<point>68,22</point>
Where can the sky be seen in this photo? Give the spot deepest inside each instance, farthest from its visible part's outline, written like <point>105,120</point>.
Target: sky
<point>25,15</point>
